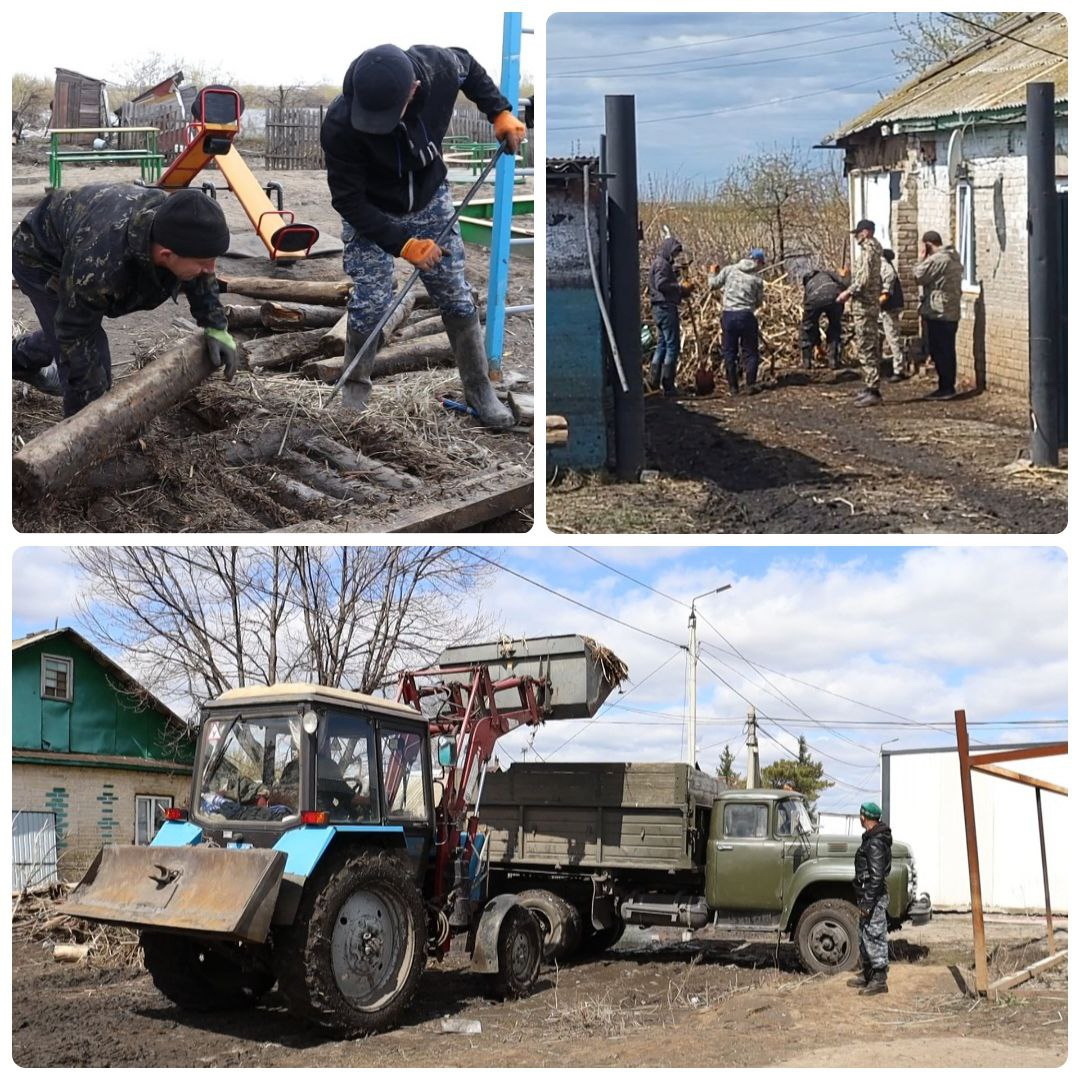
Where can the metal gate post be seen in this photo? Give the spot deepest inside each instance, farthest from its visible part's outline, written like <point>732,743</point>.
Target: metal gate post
<point>502,212</point>
<point>982,974</point>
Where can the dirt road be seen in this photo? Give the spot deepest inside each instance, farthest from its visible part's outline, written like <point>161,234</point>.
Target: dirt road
<point>799,458</point>
<point>648,1002</point>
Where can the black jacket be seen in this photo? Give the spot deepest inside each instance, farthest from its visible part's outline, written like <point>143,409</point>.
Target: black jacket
<point>95,241</point>
<point>821,287</point>
<point>873,862</point>
<point>372,176</point>
<point>664,287</point>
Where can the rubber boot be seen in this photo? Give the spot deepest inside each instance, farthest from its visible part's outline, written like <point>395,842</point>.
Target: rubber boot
<point>467,341</point>
<point>834,355</point>
<point>808,356</point>
<point>46,379</point>
<point>877,983</point>
<point>356,392</point>
<point>861,979</point>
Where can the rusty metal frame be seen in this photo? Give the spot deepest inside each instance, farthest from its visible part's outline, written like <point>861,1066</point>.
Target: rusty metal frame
<point>987,763</point>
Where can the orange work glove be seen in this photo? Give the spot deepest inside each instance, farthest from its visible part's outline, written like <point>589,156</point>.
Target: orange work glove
<point>714,268</point>
<point>509,127</point>
<point>422,253</point>
<point>687,287</point>
<point>883,299</point>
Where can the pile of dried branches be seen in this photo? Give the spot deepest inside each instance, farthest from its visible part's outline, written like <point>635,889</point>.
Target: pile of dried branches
<point>34,918</point>
<point>612,670</point>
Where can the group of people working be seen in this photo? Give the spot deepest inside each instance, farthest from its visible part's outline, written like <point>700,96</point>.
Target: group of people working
<point>871,291</point>
<point>106,250</point>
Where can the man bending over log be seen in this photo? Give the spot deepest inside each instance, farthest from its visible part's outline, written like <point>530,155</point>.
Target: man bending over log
<point>382,138</point>
<point>106,250</point>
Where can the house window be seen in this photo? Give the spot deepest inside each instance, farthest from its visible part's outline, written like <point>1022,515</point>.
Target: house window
<point>56,677</point>
<point>149,813</point>
<point>965,229</point>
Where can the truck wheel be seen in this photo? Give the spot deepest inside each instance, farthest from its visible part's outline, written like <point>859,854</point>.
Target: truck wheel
<point>597,941</point>
<point>827,936</point>
<point>559,921</point>
<point>353,956</point>
<point>519,952</point>
<point>206,976</point>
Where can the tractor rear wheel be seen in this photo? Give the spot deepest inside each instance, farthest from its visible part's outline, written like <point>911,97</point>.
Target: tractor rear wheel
<point>206,976</point>
<point>559,921</point>
<point>352,959</point>
<point>520,949</point>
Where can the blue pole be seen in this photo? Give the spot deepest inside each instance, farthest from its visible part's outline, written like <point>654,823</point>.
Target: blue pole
<point>499,274</point>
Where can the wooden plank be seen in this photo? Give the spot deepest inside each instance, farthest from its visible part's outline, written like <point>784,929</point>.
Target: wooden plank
<point>490,496</point>
<point>1022,754</point>
<point>1020,778</point>
<point>1029,972</point>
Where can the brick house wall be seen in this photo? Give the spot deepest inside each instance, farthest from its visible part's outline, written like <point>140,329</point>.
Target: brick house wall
<point>992,339</point>
<point>93,806</point>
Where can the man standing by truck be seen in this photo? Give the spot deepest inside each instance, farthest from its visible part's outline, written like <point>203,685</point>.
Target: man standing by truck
<point>873,863</point>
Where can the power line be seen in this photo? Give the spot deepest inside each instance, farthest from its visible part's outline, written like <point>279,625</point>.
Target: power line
<point>835,780</point>
<point>1002,34</point>
<point>731,108</point>
<point>709,63</point>
<point>716,41</point>
<point>622,573</point>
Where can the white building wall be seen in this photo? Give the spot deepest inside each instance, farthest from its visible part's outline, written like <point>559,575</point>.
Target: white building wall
<point>839,824</point>
<point>924,808</point>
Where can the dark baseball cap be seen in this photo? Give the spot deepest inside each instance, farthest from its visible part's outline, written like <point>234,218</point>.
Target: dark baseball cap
<point>866,223</point>
<point>191,225</point>
<point>378,84</point>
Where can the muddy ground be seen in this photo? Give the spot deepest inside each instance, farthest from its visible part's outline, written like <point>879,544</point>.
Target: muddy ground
<point>182,499</point>
<point>648,1002</point>
<point>798,458</point>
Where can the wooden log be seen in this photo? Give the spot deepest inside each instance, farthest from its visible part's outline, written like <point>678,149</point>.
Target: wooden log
<point>333,341</point>
<point>278,316</point>
<point>488,496</point>
<point>49,462</point>
<point>283,350</point>
<point>243,316</point>
<point>419,355</point>
<point>523,406</point>
<point>558,431</point>
<point>327,370</point>
<point>306,292</point>
<point>70,954</point>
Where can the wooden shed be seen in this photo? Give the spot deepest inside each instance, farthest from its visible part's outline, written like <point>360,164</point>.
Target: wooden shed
<point>78,102</point>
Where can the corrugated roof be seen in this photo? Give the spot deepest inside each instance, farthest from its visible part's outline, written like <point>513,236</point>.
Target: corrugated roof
<point>105,661</point>
<point>991,73</point>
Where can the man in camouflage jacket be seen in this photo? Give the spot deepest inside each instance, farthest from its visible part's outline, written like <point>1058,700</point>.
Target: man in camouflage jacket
<point>873,864</point>
<point>106,250</point>
<point>864,292</point>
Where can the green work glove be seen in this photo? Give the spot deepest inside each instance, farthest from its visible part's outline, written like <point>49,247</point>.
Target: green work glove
<point>221,348</point>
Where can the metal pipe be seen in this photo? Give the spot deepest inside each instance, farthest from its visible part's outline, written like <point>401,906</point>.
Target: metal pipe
<point>625,291</point>
<point>520,309</point>
<point>1046,876</point>
<point>978,930</point>
<point>1044,269</point>
<point>596,281</point>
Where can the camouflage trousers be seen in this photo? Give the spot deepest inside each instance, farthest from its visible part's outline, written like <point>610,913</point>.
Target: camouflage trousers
<point>865,319</point>
<point>890,323</point>
<point>874,936</point>
<point>372,269</point>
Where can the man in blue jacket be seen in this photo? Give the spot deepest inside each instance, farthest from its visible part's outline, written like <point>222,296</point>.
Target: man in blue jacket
<point>382,139</point>
<point>666,292</point>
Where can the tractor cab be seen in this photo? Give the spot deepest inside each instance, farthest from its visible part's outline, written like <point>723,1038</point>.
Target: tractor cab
<point>272,758</point>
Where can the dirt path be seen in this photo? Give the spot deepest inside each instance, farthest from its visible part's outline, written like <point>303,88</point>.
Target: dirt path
<point>649,1002</point>
<point>798,458</point>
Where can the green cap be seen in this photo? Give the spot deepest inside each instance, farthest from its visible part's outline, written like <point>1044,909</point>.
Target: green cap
<point>870,810</point>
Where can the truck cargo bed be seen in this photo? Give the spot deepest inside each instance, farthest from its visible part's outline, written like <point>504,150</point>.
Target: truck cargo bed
<point>591,816</point>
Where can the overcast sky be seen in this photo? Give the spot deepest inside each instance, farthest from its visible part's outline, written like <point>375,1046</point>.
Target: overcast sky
<point>843,643</point>
<point>740,80</point>
<point>265,43</point>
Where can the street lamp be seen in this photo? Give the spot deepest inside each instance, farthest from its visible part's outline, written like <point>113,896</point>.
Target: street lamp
<point>691,744</point>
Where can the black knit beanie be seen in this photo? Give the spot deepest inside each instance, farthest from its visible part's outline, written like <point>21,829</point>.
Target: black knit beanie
<point>191,224</point>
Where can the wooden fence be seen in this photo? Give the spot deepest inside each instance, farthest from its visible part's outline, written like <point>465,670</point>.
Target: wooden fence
<point>292,138</point>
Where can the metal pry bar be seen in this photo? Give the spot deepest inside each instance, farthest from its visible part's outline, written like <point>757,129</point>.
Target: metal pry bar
<point>414,276</point>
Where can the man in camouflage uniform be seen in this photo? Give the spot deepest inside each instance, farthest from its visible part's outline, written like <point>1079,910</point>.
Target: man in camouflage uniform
<point>873,863</point>
<point>382,139</point>
<point>892,306</point>
<point>105,250</point>
<point>863,292</point>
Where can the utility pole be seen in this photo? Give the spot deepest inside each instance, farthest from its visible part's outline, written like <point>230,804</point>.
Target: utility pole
<point>691,740</point>
<point>753,775</point>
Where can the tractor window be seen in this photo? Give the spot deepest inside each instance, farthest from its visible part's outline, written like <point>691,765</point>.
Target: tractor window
<point>746,820</point>
<point>403,775</point>
<point>249,770</point>
<point>343,783</point>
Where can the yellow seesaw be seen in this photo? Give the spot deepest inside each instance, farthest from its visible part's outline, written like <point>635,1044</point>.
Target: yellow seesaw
<point>216,112</point>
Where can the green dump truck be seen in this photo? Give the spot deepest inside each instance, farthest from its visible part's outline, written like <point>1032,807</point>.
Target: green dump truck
<point>593,848</point>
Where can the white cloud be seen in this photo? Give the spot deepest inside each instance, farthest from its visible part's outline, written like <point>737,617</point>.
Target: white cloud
<point>45,583</point>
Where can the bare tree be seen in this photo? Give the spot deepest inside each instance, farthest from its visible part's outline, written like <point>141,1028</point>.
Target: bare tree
<point>931,37</point>
<point>29,102</point>
<point>193,622</point>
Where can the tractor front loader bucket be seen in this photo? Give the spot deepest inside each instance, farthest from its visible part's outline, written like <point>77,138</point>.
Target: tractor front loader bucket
<point>211,891</point>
